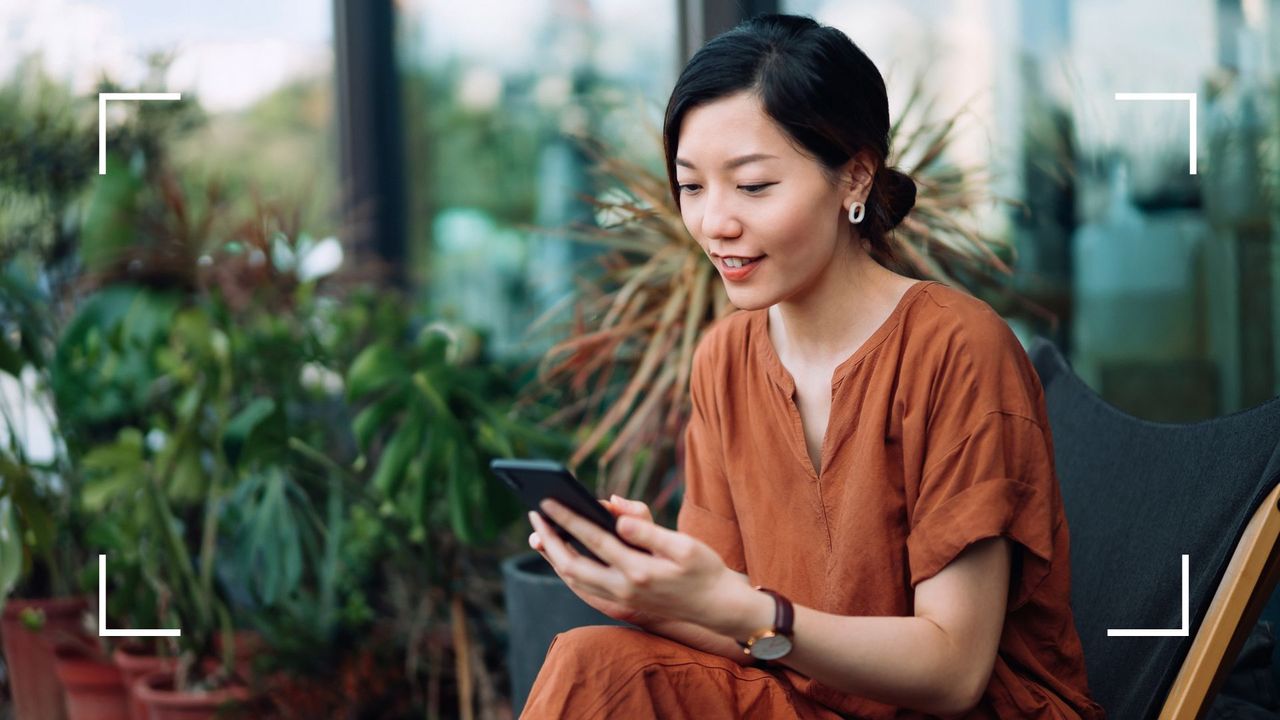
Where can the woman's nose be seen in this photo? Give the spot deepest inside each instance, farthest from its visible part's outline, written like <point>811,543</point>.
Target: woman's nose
<point>719,219</point>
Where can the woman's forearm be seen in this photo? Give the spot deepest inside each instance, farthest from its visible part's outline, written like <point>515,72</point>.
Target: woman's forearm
<point>698,638</point>
<point>902,661</point>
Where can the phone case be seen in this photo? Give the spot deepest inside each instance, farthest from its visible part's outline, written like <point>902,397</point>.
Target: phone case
<point>536,480</point>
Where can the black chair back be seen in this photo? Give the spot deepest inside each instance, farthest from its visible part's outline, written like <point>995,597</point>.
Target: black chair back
<point>1138,496</point>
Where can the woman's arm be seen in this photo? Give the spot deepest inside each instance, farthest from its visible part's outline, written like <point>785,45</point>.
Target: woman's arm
<point>939,661</point>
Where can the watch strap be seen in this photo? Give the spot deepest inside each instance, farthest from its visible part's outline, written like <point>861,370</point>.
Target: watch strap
<point>784,616</point>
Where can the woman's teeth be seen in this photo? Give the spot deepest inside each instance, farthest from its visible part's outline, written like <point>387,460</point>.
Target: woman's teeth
<point>738,262</point>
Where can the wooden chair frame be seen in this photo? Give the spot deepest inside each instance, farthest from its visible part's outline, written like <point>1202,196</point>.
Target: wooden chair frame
<point>1245,588</point>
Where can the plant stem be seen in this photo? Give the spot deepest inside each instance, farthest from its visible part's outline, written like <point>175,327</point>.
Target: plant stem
<point>461,657</point>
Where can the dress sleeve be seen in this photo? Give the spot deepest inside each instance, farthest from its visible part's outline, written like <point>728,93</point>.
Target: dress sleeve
<point>707,511</point>
<point>987,473</point>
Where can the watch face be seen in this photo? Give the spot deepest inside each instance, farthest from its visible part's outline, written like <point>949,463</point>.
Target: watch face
<point>771,647</point>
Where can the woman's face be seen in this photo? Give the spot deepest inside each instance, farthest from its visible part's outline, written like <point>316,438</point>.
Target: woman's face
<point>746,194</point>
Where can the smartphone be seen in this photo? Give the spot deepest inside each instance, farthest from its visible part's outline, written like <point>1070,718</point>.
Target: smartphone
<point>537,480</point>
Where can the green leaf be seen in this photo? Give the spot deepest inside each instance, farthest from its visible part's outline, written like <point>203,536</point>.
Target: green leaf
<point>372,370</point>
<point>241,427</point>
<point>457,497</point>
<point>274,542</point>
<point>98,494</point>
<point>187,484</point>
<point>395,457</point>
<point>433,345</point>
<point>10,549</point>
<point>373,418</point>
<point>125,454</point>
<point>430,392</point>
<point>11,360</point>
<point>148,319</point>
<point>419,484</point>
<point>111,221</point>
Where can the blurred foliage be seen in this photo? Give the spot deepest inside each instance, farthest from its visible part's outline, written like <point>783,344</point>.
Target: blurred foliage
<point>255,440</point>
<point>475,166</point>
<point>45,135</point>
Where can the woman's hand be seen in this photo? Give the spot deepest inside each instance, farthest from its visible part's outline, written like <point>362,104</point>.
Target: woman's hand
<point>683,578</point>
<point>616,610</point>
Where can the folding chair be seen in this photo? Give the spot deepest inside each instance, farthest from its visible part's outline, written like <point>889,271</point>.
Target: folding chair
<point>1138,496</point>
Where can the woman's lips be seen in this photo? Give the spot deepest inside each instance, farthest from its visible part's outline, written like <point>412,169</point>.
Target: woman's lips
<point>738,274</point>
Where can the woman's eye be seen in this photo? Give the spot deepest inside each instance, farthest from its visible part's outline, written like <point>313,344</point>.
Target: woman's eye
<point>689,187</point>
<point>755,188</point>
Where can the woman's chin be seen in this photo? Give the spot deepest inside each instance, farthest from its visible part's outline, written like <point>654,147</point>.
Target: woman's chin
<point>744,299</point>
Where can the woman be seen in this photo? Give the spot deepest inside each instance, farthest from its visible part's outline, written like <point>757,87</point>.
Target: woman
<point>869,449</point>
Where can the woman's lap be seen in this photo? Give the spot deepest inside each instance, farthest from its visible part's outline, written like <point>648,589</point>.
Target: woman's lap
<point>616,672</point>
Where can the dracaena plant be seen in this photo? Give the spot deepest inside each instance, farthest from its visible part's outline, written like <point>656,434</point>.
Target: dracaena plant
<point>620,370</point>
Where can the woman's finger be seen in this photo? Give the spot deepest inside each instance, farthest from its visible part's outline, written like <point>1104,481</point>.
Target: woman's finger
<point>569,565</point>
<point>600,541</point>
<point>655,538</point>
<point>635,508</point>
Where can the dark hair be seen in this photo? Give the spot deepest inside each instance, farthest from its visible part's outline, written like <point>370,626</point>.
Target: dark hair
<point>820,89</point>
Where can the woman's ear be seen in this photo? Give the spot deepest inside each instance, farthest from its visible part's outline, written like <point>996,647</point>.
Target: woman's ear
<point>857,175</point>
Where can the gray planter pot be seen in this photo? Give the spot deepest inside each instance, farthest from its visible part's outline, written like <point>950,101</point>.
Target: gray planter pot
<point>539,607</point>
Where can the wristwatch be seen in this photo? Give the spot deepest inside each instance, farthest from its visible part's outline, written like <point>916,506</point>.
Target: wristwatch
<point>775,642</point>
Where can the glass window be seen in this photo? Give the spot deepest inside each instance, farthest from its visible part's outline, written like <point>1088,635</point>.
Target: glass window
<point>1166,284</point>
<point>491,112</point>
<point>261,72</point>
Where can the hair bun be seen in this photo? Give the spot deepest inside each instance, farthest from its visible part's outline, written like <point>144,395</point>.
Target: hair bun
<point>900,196</point>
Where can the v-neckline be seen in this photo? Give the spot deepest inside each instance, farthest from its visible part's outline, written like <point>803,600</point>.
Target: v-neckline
<point>778,373</point>
<point>782,377</point>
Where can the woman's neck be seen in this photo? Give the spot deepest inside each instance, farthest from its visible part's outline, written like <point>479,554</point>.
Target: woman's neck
<point>831,320</point>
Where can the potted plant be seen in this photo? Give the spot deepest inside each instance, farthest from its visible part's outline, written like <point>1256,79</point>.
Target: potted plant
<point>153,474</point>
<point>40,590</point>
<point>42,178</point>
<point>432,411</point>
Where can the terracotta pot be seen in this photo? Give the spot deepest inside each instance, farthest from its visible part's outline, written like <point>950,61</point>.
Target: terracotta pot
<point>94,686</point>
<point>135,663</point>
<point>37,694</point>
<point>164,703</point>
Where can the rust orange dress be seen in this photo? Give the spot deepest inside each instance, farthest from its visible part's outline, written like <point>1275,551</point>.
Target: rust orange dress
<point>937,438</point>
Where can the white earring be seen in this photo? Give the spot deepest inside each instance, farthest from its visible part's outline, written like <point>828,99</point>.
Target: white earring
<point>857,211</point>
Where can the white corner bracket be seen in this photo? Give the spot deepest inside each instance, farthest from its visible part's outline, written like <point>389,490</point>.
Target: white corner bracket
<point>103,630</point>
<point>102,118</point>
<point>1189,98</point>
<point>1183,631</point>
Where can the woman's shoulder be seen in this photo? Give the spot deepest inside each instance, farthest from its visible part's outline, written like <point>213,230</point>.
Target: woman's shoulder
<point>957,340</point>
<point>945,322</point>
<point>956,313</point>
